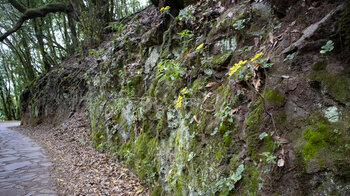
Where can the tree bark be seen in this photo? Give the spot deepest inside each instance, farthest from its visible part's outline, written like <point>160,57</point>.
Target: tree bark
<point>39,36</point>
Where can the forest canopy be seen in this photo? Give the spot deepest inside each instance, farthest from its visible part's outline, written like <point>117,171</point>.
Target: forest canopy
<point>36,35</point>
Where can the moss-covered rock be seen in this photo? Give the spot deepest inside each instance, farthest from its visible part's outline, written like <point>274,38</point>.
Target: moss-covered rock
<point>275,97</point>
<point>253,130</point>
<point>220,60</point>
<point>336,85</point>
<point>196,149</point>
<point>315,140</point>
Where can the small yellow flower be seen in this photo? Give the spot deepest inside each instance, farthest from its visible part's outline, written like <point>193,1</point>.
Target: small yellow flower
<point>179,102</point>
<point>199,47</point>
<point>164,8</point>
<point>184,91</point>
<point>238,65</point>
<point>256,56</point>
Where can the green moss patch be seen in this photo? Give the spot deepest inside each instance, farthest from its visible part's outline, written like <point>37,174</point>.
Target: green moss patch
<point>220,60</point>
<point>141,156</point>
<point>253,127</point>
<point>315,140</point>
<point>251,181</point>
<point>275,97</point>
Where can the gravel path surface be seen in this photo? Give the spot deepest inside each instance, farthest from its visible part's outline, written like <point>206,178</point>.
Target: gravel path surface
<point>24,167</point>
<point>78,168</point>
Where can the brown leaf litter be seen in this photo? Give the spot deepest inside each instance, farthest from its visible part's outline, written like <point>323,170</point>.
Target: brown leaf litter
<point>78,168</point>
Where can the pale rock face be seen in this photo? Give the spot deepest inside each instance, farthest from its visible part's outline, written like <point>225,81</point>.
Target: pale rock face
<point>332,114</point>
<point>152,59</point>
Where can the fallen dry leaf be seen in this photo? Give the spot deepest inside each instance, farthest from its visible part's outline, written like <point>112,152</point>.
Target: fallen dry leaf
<point>210,84</point>
<point>257,83</point>
<point>77,167</point>
<point>209,111</point>
<point>233,111</point>
<point>280,139</point>
<point>271,38</point>
<point>195,119</point>
<point>280,163</point>
<point>207,96</point>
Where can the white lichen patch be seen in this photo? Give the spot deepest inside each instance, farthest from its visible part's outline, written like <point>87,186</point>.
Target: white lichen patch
<point>332,114</point>
<point>227,44</point>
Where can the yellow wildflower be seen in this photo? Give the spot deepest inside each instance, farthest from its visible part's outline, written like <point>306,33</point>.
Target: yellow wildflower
<point>256,56</point>
<point>200,47</point>
<point>238,65</point>
<point>179,102</point>
<point>184,91</point>
<point>164,8</point>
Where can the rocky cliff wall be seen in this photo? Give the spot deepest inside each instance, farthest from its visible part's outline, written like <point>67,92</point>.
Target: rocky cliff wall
<point>224,100</point>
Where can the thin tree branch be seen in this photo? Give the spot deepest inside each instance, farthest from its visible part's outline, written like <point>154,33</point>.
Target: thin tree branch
<point>35,13</point>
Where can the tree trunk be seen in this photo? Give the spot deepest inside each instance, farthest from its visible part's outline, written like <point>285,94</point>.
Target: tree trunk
<point>39,36</point>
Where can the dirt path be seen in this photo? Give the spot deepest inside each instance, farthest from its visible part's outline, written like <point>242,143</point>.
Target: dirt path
<point>78,168</point>
<point>24,167</point>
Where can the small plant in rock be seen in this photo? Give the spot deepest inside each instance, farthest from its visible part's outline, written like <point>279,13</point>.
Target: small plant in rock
<point>183,92</point>
<point>228,184</point>
<point>329,46</point>
<point>246,72</point>
<point>186,14</point>
<point>250,74</point>
<point>118,28</point>
<point>289,57</point>
<point>269,158</point>
<point>186,36</point>
<point>239,24</point>
<point>96,52</point>
<point>225,114</point>
<point>170,70</point>
<point>256,56</point>
<point>236,67</point>
<point>263,135</point>
<point>166,10</point>
<point>115,26</point>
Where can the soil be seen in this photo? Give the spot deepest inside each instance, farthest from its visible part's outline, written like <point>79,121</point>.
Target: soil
<point>78,168</point>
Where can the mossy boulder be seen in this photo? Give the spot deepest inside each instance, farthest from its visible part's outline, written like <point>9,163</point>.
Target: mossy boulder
<point>315,140</point>
<point>275,98</point>
<point>337,85</point>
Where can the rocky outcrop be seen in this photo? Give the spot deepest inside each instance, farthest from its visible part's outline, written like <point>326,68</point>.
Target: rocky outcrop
<point>208,104</point>
<point>54,96</point>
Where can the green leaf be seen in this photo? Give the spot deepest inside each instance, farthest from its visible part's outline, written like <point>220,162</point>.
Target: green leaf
<point>329,46</point>
<point>214,132</point>
<point>263,135</point>
<point>238,174</point>
<point>238,25</point>
<point>190,156</point>
<point>289,57</point>
<point>209,72</point>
